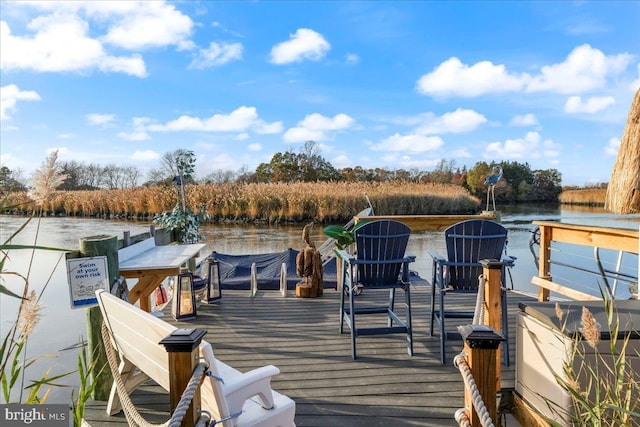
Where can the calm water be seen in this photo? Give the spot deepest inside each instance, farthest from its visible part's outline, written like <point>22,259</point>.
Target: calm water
<point>62,327</point>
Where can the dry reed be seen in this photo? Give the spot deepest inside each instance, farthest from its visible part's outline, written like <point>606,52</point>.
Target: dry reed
<point>272,203</point>
<point>584,196</point>
<point>623,193</point>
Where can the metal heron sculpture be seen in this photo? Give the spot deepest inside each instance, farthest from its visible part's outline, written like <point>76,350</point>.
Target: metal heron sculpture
<point>491,181</point>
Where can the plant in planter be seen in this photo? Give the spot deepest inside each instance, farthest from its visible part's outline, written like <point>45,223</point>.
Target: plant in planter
<point>343,236</point>
<point>181,217</point>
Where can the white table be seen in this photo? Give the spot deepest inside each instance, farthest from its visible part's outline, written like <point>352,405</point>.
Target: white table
<point>154,265</point>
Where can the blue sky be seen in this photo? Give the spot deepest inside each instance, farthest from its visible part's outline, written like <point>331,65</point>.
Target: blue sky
<point>375,84</point>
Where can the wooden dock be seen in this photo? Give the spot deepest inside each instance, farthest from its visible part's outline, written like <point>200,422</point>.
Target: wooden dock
<point>384,387</point>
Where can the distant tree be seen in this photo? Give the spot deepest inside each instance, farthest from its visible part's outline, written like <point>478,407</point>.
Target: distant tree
<point>220,176</point>
<point>476,176</point>
<point>306,166</point>
<point>90,176</point>
<point>313,166</point>
<point>515,174</point>
<point>119,177</point>
<point>546,185</point>
<point>443,172</point>
<point>245,176</point>
<point>11,181</point>
<point>72,170</point>
<point>168,168</point>
<point>356,174</point>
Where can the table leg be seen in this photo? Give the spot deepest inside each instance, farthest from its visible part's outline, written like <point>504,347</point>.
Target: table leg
<point>143,289</point>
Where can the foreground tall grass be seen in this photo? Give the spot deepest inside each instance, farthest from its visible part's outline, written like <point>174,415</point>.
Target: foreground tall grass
<point>272,203</point>
<point>600,379</point>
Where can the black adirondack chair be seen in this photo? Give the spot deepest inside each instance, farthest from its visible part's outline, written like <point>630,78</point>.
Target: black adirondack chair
<point>379,263</point>
<point>467,243</point>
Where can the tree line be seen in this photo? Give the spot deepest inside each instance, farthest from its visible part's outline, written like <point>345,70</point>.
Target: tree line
<point>520,183</point>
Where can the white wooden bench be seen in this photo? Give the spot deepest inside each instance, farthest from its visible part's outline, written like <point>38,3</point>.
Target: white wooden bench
<point>135,335</point>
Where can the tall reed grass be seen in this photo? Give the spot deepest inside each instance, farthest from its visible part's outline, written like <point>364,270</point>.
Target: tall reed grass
<point>272,203</point>
<point>584,196</point>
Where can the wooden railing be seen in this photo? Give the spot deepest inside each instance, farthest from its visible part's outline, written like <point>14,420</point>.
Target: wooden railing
<point>602,237</point>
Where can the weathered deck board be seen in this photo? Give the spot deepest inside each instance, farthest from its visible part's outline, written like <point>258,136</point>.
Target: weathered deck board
<point>384,387</point>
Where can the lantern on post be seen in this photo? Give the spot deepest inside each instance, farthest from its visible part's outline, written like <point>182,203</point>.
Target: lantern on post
<point>184,300</point>
<point>214,291</point>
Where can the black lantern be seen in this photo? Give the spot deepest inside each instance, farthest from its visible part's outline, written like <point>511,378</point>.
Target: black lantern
<point>214,291</point>
<point>184,299</point>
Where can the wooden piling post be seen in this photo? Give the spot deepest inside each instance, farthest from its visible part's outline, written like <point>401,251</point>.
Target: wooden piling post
<point>492,272</point>
<point>480,345</point>
<point>101,245</point>
<point>182,346</point>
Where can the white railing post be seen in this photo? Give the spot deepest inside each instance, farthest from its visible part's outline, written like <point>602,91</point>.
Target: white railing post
<point>283,279</point>
<point>254,280</point>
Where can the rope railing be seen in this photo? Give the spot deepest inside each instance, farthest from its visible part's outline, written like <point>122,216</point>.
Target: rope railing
<point>460,361</point>
<point>134,418</point>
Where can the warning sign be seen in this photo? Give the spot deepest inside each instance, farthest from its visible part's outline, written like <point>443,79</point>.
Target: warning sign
<point>85,277</point>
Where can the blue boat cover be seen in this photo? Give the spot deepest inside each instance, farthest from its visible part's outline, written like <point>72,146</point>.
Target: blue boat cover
<point>235,270</point>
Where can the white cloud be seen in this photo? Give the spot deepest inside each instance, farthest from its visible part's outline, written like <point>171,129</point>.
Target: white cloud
<point>530,147</point>
<point>458,121</point>
<point>304,44</point>
<point>138,135</point>
<point>145,155</point>
<point>319,122</point>
<point>263,128</point>
<point>255,147</point>
<point>60,43</point>
<point>453,78</point>
<point>612,147</point>
<point>409,143</point>
<point>139,132</point>
<point>341,161</point>
<point>300,134</point>
<point>100,119</point>
<point>217,54</point>
<point>10,95</point>
<point>239,120</point>
<point>635,85</point>
<point>242,136</point>
<point>528,119</point>
<point>584,69</point>
<point>352,58</point>
<point>150,24</point>
<point>592,105</point>
<point>314,127</point>
<point>461,153</point>
<point>550,149</point>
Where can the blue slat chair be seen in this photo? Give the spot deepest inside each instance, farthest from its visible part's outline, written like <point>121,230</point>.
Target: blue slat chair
<point>467,243</point>
<point>379,263</point>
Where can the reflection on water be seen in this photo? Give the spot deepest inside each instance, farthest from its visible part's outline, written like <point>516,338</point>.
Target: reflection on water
<point>61,326</point>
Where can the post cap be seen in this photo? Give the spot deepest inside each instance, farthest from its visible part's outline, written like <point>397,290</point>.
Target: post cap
<point>480,336</point>
<point>183,340</point>
<point>491,263</point>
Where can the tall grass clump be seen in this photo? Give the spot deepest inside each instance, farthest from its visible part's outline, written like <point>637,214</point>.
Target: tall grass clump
<point>602,383</point>
<point>15,361</point>
<point>14,356</point>
<point>324,202</point>
<point>584,196</point>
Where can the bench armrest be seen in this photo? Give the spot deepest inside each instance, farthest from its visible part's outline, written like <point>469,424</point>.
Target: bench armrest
<point>242,386</point>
